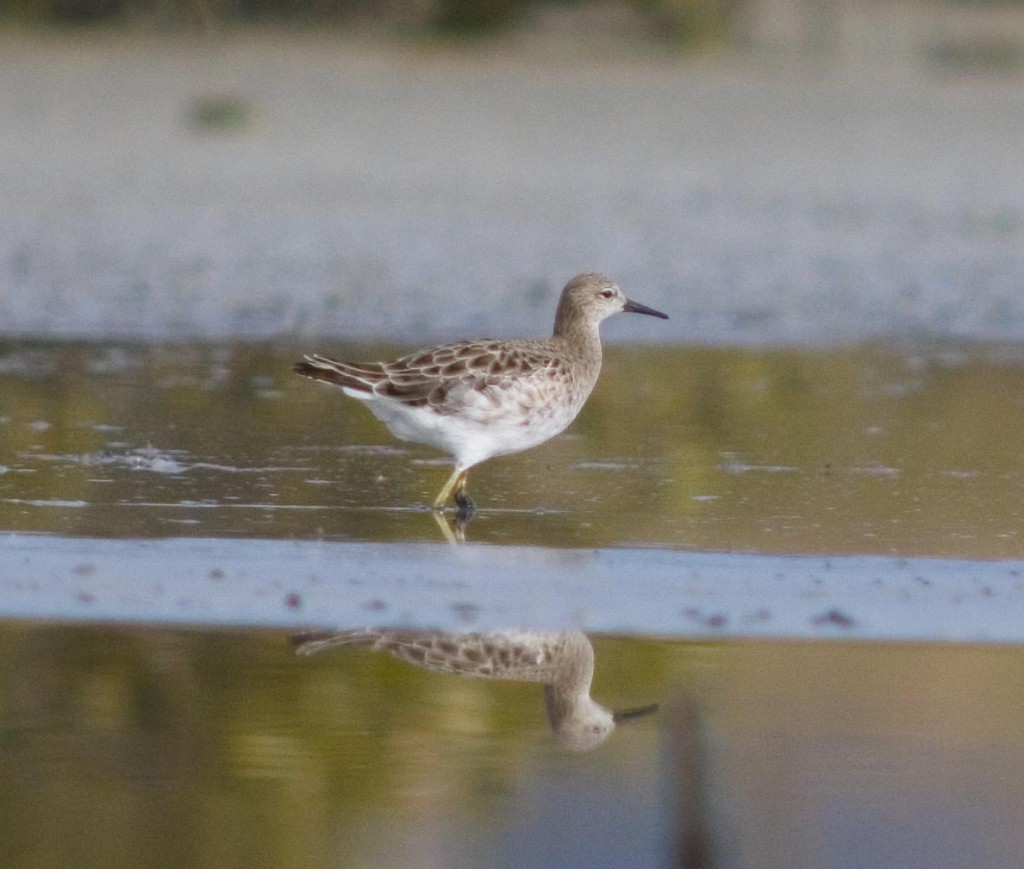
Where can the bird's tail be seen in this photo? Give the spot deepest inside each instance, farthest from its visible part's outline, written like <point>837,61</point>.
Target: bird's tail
<point>348,375</point>
<point>311,642</point>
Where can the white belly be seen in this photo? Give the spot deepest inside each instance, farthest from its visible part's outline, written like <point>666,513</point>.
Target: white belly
<point>485,424</point>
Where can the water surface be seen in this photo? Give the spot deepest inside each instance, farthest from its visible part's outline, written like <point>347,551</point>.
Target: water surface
<point>168,749</point>
<point>909,450</point>
<point>891,472</point>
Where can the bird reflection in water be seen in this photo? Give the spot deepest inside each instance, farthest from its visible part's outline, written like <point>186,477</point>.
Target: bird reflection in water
<point>561,661</point>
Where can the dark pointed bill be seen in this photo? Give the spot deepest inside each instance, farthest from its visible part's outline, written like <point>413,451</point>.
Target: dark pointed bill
<point>632,307</point>
<point>627,715</point>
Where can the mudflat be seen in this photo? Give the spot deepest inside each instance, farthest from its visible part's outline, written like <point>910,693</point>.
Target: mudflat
<point>261,184</point>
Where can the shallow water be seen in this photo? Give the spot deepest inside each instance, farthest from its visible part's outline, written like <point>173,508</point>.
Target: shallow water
<point>874,450</point>
<point>134,746</point>
<point>167,749</point>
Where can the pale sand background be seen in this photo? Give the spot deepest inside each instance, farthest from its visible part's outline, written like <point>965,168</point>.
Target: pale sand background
<point>399,191</point>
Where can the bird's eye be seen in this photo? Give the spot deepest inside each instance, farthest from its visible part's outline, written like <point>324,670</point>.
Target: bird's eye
<point>607,294</point>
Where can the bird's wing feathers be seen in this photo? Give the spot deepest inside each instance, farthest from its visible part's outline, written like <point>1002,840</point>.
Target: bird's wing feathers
<point>520,657</point>
<point>523,656</point>
<point>437,376</point>
<point>351,375</point>
<point>311,642</point>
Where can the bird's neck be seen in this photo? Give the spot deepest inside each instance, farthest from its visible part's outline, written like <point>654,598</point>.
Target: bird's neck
<point>579,335</point>
<point>569,317</point>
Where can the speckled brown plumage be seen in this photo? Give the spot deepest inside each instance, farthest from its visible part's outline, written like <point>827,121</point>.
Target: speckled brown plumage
<point>429,378</point>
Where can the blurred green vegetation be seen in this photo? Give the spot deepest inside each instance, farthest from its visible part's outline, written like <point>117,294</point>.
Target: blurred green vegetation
<point>680,21</point>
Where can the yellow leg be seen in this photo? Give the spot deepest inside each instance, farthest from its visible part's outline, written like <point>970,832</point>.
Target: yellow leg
<point>457,479</point>
<point>466,505</point>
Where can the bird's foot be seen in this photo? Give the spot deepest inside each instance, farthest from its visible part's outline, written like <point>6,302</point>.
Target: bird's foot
<point>467,508</point>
